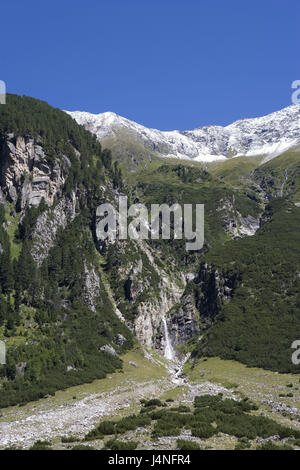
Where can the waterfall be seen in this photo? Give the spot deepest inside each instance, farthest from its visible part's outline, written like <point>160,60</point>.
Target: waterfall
<point>168,348</point>
<point>284,181</point>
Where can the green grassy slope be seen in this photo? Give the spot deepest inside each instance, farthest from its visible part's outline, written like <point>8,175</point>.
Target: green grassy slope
<point>280,177</point>
<point>235,171</point>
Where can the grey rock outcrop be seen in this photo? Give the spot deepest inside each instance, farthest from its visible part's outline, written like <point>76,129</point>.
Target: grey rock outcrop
<point>150,313</point>
<point>135,284</point>
<point>282,408</point>
<point>27,174</point>
<point>234,223</point>
<point>133,364</point>
<point>2,198</point>
<point>120,340</point>
<point>107,348</point>
<point>47,226</point>
<point>183,322</point>
<point>91,285</point>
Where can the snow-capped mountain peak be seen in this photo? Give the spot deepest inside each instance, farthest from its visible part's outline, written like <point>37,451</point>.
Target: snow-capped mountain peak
<point>268,135</point>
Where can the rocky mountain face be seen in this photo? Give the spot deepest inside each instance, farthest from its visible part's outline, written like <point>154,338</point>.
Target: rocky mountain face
<point>27,178</point>
<point>183,321</point>
<point>26,175</point>
<point>143,289</point>
<point>269,135</point>
<point>75,302</point>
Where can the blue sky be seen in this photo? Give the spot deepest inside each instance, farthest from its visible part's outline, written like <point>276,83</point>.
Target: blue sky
<point>169,64</point>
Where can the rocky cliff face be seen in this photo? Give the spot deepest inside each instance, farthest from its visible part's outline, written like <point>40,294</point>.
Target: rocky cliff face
<point>143,291</point>
<point>48,225</point>
<point>183,321</point>
<point>148,323</point>
<point>198,306</point>
<point>27,175</point>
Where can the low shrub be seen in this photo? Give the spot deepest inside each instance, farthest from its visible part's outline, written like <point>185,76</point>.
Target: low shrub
<point>83,447</point>
<point>272,446</point>
<point>187,445</point>
<point>181,409</point>
<point>153,402</point>
<point>132,422</point>
<point>203,430</point>
<point>114,444</point>
<point>69,439</point>
<point>41,445</point>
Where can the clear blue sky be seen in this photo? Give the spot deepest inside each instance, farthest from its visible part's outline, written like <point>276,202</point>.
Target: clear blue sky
<point>169,64</point>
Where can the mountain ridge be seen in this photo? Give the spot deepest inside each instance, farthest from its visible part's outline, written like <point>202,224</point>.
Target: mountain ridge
<point>268,135</point>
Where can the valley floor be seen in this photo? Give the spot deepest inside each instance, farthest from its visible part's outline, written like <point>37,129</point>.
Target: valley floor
<point>75,411</point>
